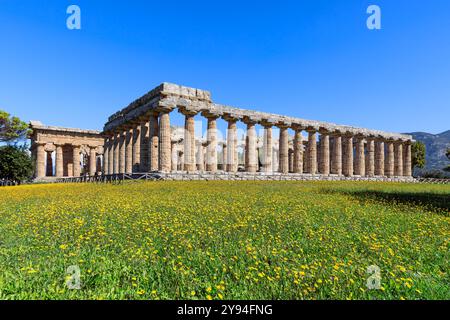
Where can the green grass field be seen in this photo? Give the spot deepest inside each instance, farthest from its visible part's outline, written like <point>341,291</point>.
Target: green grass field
<point>225,240</point>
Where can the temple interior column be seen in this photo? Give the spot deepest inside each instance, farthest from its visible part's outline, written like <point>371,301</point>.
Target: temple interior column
<point>336,161</point>
<point>59,166</point>
<point>174,146</point>
<point>129,151</point>
<point>407,166</point>
<point>379,158</point>
<point>267,146</point>
<point>136,159</point>
<point>49,164</point>
<point>122,157</point>
<point>298,151</point>
<point>155,139</point>
<point>189,142</point>
<point>324,153</point>
<point>389,170</point>
<point>211,144</point>
<point>312,152</point>
<point>360,166</point>
<point>283,166</point>
<point>200,160</point>
<point>398,168</point>
<point>224,156</point>
<point>348,163</point>
<point>370,165</point>
<point>76,161</point>
<point>232,146</point>
<point>165,142</point>
<point>291,159</point>
<point>251,161</point>
<point>92,161</point>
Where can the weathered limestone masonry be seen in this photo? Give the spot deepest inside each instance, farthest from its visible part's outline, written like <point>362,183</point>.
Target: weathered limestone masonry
<point>75,151</point>
<point>140,139</point>
<point>343,152</point>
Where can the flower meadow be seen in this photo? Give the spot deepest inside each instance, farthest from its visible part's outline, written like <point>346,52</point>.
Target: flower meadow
<point>225,240</point>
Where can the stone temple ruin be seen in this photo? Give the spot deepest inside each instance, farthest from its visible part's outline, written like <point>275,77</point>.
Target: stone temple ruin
<point>140,139</point>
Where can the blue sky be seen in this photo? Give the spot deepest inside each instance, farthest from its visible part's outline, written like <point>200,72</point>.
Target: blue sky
<point>312,59</point>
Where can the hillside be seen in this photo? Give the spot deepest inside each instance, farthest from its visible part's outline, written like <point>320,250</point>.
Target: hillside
<point>436,146</point>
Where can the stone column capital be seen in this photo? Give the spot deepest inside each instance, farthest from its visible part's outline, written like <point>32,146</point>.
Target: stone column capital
<point>297,127</point>
<point>312,129</point>
<point>324,132</point>
<point>188,112</point>
<point>230,118</point>
<point>210,115</point>
<point>267,123</point>
<point>283,125</point>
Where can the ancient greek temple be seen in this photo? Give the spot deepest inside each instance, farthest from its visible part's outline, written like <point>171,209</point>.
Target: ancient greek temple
<point>140,138</point>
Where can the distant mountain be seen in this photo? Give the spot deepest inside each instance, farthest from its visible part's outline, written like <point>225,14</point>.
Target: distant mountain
<point>436,147</point>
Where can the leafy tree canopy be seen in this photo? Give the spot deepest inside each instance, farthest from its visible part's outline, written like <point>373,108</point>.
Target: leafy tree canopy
<point>418,154</point>
<point>12,128</point>
<point>15,163</point>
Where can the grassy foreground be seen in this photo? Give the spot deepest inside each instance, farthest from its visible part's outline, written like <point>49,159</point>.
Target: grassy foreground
<point>225,240</point>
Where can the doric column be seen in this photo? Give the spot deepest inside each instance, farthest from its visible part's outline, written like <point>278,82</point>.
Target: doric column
<point>199,157</point>
<point>283,166</point>
<point>117,138</point>
<point>275,158</point>
<point>379,158</point>
<point>59,168</point>
<point>251,160</point>
<point>136,161</point>
<point>144,161</point>
<point>129,151</point>
<point>312,152</point>
<point>324,153</point>
<point>232,166</point>
<point>92,161</point>
<point>49,166</point>
<point>298,151</point>
<point>189,140</point>
<point>40,160</point>
<point>360,163</point>
<point>122,157</point>
<point>267,146</point>
<point>106,147</point>
<point>211,144</point>
<point>398,167</point>
<point>348,154</point>
<point>291,159</point>
<point>389,170</point>
<point>76,161</point>
<point>370,165</point>
<point>155,139</point>
<point>164,141</point>
<point>174,146</point>
<point>407,166</point>
<point>336,160</point>
<point>224,156</point>
<point>111,155</point>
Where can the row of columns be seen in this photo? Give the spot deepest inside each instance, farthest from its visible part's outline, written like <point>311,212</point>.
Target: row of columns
<point>43,156</point>
<point>336,153</point>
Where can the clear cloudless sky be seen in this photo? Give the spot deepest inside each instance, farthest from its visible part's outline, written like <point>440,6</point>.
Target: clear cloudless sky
<point>313,59</point>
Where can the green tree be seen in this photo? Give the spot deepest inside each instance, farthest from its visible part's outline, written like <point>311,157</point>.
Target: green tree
<point>418,154</point>
<point>15,163</point>
<point>12,128</point>
<point>448,157</point>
